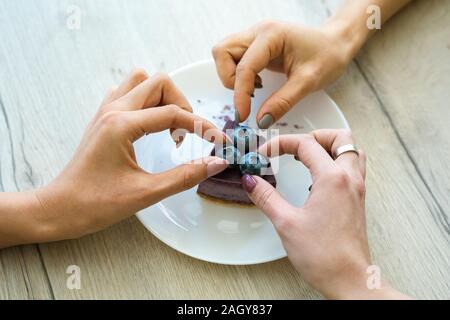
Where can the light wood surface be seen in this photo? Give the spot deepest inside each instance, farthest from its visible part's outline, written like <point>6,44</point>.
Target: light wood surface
<point>395,95</point>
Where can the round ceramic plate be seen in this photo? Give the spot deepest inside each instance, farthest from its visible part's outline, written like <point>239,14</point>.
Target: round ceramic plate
<point>214,231</point>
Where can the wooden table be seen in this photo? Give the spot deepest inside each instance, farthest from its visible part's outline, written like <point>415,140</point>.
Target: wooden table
<point>396,96</point>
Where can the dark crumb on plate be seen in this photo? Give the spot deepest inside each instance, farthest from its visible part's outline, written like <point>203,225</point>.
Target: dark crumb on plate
<point>227,107</point>
<point>282,124</point>
<point>227,118</point>
<point>298,127</point>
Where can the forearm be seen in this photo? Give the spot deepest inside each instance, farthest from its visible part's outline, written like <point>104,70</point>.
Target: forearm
<point>350,21</point>
<point>18,222</point>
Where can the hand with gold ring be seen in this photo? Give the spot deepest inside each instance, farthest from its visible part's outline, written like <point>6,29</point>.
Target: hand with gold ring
<point>326,238</point>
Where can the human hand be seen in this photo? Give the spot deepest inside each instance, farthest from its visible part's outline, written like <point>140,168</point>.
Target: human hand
<point>103,183</point>
<point>310,57</point>
<point>326,238</point>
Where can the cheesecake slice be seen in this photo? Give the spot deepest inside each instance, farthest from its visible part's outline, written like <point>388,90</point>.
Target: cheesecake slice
<point>227,186</point>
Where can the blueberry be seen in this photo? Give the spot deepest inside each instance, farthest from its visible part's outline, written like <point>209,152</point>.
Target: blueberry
<point>252,163</point>
<point>231,154</point>
<point>244,138</point>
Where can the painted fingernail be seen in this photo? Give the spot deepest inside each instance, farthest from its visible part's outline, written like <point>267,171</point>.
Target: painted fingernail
<point>237,117</point>
<point>265,122</point>
<point>216,166</point>
<point>249,183</point>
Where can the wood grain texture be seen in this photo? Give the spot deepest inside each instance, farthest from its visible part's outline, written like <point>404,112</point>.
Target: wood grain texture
<point>52,79</point>
<point>403,235</point>
<point>411,78</point>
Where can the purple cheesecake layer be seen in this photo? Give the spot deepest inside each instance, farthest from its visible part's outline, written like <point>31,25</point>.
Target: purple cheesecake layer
<point>229,190</point>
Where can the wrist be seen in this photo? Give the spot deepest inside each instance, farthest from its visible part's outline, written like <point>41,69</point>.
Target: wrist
<point>384,292</point>
<point>46,219</point>
<point>19,217</point>
<point>355,285</point>
<point>39,225</point>
<point>350,30</point>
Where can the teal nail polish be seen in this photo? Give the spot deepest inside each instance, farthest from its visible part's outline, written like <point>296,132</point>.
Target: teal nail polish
<point>265,122</point>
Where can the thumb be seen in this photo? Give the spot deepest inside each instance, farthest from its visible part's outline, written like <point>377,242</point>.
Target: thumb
<point>281,101</point>
<point>266,197</point>
<point>186,176</point>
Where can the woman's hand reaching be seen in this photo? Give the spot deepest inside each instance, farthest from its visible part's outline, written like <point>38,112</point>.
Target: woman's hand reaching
<point>103,183</point>
<point>326,238</point>
<point>310,57</point>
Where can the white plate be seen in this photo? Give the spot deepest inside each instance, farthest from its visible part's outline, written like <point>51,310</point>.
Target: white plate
<point>212,231</point>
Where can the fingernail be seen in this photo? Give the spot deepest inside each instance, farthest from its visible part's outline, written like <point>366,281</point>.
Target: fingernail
<point>215,167</point>
<point>237,117</point>
<point>265,122</point>
<point>249,183</point>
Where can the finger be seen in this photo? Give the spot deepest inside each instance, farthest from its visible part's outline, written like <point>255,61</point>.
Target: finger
<point>281,101</point>
<point>227,53</point>
<point>265,197</point>
<point>226,63</point>
<point>185,177</point>
<point>109,96</point>
<point>226,69</point>
<point>331,140</point>
<point>255,59</point>
<point>135,78</point>
<point>225,66</point>
<point>362,163</point>
<point>304,147</point>
<point>155,91</point>
<point>158,119</point>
